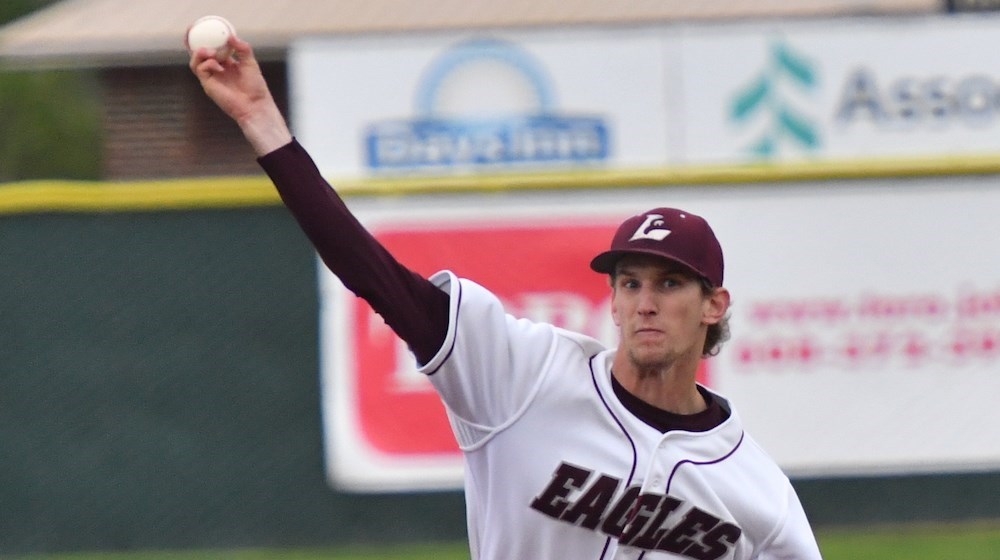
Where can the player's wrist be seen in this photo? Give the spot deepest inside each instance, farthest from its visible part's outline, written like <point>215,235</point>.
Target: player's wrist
<point>266,130</point>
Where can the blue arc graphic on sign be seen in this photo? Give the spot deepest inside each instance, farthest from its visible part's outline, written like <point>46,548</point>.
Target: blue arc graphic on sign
<point>537,136</point>
<point>477,51</point>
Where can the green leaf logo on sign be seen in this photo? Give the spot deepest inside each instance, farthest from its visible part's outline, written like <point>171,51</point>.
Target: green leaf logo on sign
<point>763,98</point>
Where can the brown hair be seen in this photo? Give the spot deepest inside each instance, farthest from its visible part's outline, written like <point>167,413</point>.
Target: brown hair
<point>719,332</point>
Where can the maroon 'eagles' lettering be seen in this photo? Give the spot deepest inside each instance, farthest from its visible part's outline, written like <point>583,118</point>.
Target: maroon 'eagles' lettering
<point>649,521</point>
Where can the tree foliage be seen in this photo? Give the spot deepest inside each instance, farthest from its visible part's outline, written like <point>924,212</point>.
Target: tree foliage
<point>49,120</point>
<point>13,9</point>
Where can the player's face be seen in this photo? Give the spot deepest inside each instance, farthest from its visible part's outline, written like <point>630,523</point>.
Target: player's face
<point>662,313</point>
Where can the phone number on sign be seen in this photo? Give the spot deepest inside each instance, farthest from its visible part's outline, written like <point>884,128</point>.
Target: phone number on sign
<point>850,349</point>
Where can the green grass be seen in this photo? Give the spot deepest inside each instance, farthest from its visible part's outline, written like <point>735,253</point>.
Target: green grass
<point>924,542</point>
<point>423,551</point>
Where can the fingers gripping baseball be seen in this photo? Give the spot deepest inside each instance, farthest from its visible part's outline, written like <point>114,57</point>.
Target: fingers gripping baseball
<point>234,83</point>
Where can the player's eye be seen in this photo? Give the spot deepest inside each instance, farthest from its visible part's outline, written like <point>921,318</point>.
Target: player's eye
<point>672,282</point>
<point>629,283</point>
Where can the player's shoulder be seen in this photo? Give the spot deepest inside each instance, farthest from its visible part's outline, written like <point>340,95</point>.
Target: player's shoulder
<point>472,295</point>
<point>765,467</point>
<point>587,345</point>
<point>750,450</point>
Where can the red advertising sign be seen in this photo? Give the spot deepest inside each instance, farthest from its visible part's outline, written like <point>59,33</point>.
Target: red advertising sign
<point>386,427</point>
<point>831,289</point>
<point>541,269</point>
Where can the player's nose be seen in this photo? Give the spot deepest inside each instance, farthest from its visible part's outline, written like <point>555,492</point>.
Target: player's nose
<point>646,302</point>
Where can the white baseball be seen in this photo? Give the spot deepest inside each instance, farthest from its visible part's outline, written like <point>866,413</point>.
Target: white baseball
<point>212,33</point>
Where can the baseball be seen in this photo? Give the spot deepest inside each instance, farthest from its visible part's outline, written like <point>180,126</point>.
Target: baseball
<point>212,33</point>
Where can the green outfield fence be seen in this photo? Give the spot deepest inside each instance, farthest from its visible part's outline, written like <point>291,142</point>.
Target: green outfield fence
<point>159,389</point>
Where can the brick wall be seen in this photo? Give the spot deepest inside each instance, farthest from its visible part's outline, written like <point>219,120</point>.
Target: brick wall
<point>158,124</point>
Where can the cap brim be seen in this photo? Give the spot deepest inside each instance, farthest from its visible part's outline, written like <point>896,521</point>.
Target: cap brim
<point>606,261</point>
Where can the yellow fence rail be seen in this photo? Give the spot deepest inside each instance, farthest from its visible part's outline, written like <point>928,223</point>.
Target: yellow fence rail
<point>235,192</point>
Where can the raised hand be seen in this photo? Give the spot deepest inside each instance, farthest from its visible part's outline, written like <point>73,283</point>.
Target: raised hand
<point>238,87</point>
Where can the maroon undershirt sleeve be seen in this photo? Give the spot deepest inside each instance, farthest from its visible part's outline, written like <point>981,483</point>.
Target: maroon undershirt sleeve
<point>415,309</point>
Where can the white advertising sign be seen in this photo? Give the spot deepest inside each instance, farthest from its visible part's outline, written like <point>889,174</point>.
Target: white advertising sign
<point>840,90</point>
<point>866,319</point>
<point>650,97</point>
<point>452,103</point>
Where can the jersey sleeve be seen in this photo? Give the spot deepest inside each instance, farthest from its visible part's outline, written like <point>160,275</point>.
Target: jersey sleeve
<point>490,364</point>
<point>415,309</point>
<point>793,539</point>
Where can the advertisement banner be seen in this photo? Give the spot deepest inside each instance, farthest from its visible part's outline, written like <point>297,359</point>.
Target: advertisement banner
<point>839,90</point>
<point>650,97</point>
<point>387,423</point>
<point>866,319</point>
<point>480,103</point>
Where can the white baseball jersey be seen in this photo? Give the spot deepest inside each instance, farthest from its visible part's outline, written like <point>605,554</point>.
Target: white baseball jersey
<point>558,468</point>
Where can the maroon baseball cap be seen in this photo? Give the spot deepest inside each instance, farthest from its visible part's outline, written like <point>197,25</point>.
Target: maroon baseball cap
<point>670,233</point>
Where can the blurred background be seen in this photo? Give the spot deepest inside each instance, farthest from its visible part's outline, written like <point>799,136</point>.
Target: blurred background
<point>176,371</point>
<point>44,109</point>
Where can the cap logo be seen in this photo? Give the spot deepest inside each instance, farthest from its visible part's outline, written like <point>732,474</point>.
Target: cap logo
<point>652,228</point>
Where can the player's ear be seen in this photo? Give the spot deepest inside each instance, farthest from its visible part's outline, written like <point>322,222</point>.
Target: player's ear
<point>716,305</point>
<point>614,301</point>
<point>614,309</point>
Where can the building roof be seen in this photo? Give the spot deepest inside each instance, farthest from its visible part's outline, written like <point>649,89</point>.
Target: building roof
<point>92,33</point>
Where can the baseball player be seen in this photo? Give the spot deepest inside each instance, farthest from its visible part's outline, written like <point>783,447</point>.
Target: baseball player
<point>573,451</point>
